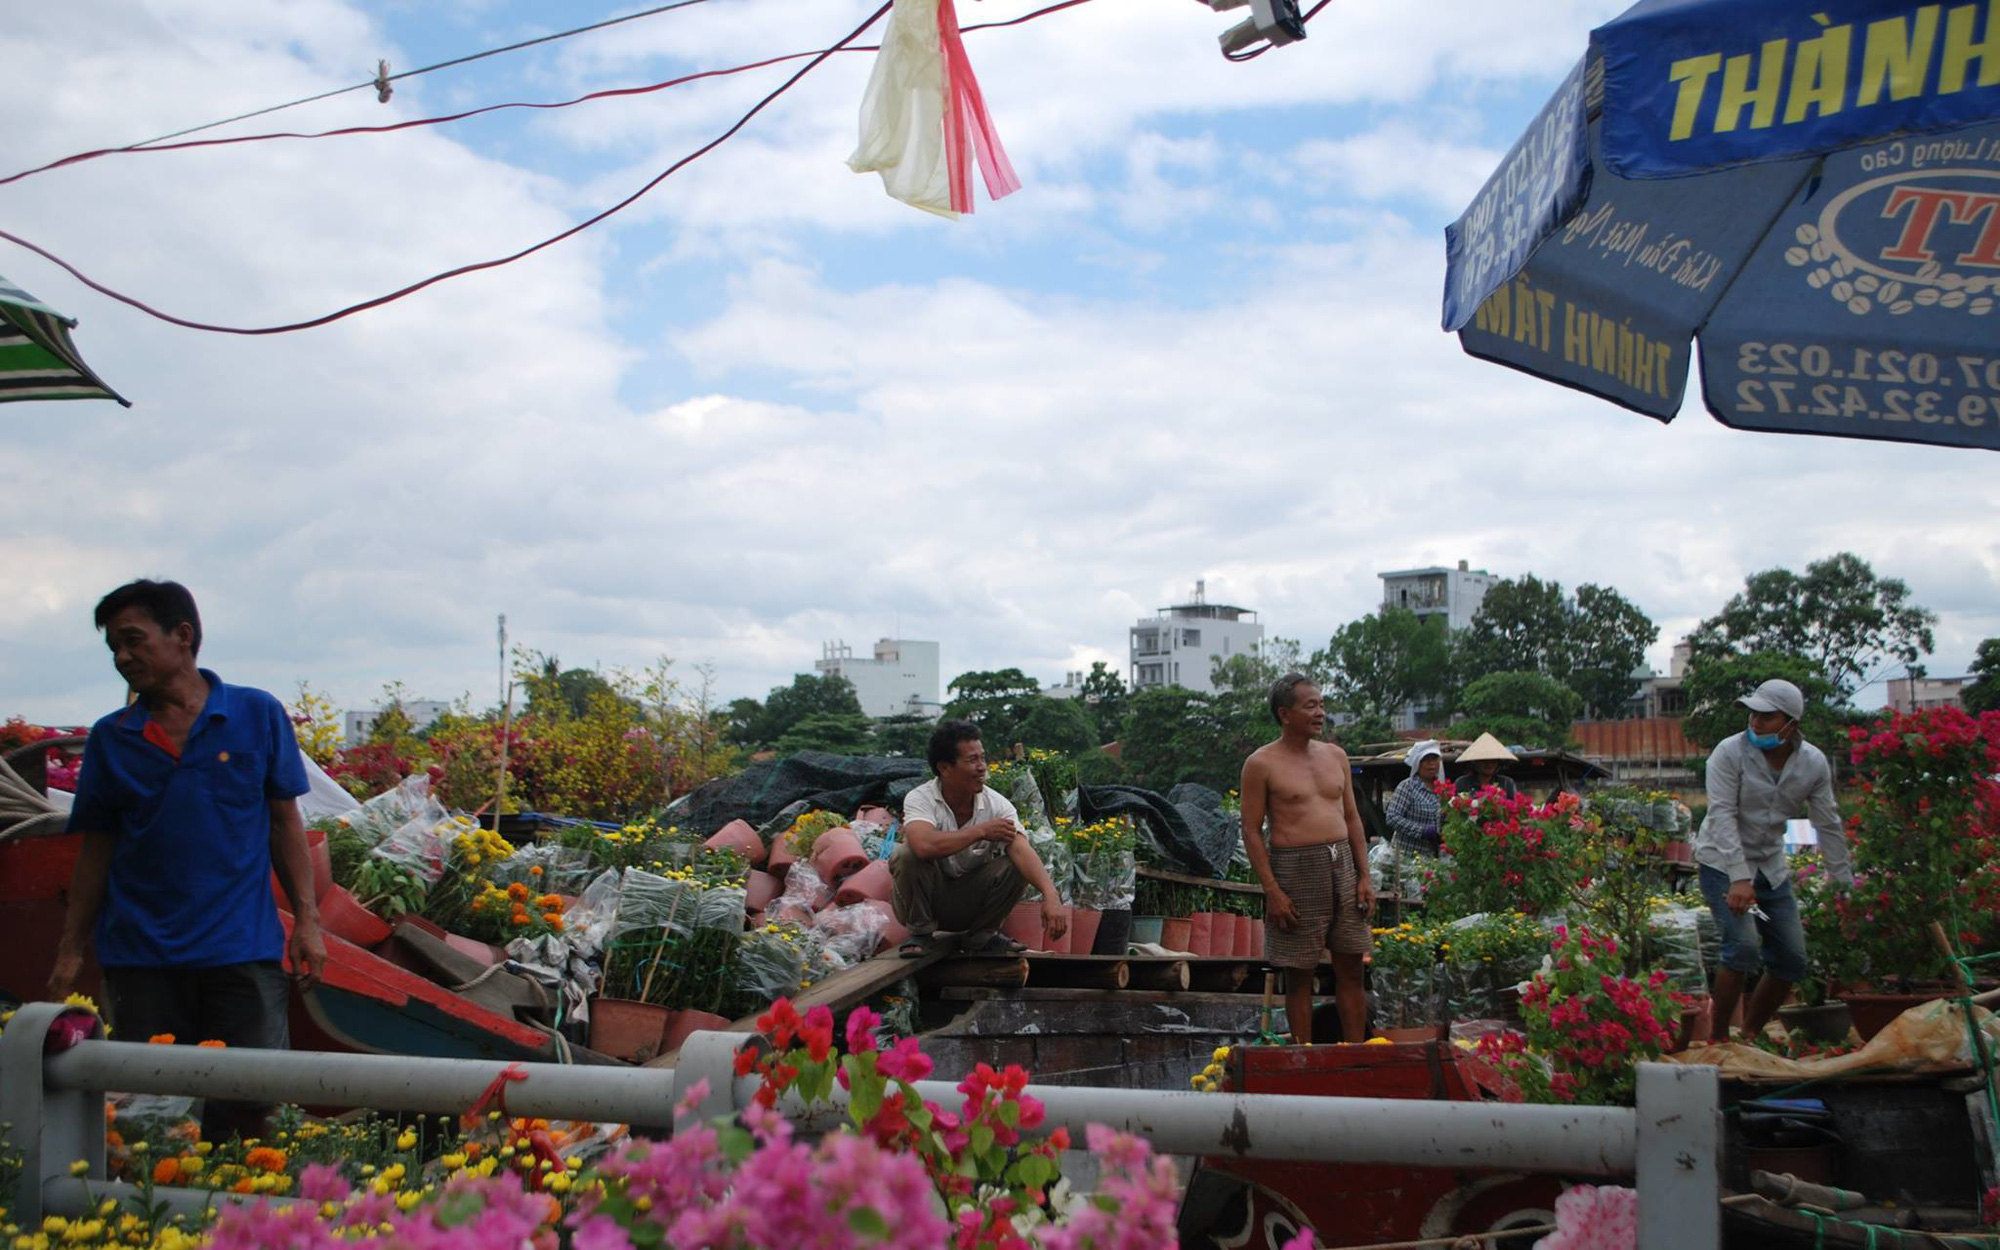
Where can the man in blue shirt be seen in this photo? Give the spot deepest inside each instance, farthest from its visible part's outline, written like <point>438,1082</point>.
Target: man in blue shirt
<point>187,802</point>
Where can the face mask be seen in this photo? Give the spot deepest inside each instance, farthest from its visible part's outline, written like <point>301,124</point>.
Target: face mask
<point>1764,742</point>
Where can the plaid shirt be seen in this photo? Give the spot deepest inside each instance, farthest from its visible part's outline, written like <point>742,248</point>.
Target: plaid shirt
<point>1413,816</point>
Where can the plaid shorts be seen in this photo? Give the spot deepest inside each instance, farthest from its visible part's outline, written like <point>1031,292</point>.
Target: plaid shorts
<point>1320,881</point>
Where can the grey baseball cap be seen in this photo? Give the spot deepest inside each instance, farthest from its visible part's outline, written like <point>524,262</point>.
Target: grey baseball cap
<point>1776,695</point>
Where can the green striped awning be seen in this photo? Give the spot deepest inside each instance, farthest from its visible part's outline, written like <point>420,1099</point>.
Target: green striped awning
<point>37,359</point>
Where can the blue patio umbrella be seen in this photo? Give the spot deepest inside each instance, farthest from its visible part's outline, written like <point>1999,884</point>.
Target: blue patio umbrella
<point>1812,191</point>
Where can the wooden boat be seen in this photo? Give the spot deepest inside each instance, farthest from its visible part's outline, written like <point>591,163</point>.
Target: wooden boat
<point>365,1004</point>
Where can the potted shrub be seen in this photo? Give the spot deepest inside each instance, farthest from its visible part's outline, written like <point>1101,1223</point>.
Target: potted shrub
<point>1925,833</point>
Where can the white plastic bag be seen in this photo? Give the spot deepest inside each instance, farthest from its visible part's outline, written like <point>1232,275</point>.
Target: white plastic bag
<point>923,116</point>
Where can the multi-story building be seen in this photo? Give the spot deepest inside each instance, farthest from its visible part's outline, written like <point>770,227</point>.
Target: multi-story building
<point>1071,688</point>
<point>1917,694</point>
<point>1452,594</point>
<point>900,679</point>
<point>358,724</point>
<point>1659,696</point>
<point>1180,644</point>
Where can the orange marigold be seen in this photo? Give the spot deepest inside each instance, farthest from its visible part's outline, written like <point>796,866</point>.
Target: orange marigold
<point>550,902</point>
<point>217,1043</point>
<point>554,921</point>
<point>243,1187</point>
<point>518,892</point>
<point>536,871</point>
<point>160,1039</point>
<point>166,1171</point>
<point>265,1159</point>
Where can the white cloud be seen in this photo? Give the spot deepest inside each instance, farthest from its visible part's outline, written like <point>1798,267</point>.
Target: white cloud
<point>1014,434</point>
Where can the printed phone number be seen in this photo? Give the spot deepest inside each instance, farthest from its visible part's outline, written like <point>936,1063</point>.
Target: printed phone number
<point>1877,385</point>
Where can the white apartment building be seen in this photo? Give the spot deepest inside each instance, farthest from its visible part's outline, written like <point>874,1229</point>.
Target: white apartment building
<point>1454,594</point>
<point>1179,645</point>
<point>900,679</point>
<point>356,725</point>
<point>1917,694</point>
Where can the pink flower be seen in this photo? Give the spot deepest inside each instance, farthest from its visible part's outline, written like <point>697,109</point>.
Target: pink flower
<point>861,1025</point>
<point>1600,1217</point>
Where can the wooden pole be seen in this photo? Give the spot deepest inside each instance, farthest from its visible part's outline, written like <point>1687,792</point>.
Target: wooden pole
<point>1159,974</point>
<point>1010,974</point>
<point>1084,974</point>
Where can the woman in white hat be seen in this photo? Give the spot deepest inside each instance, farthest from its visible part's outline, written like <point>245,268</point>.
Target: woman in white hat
<point>1486,755</point>
<point>1413,810</point>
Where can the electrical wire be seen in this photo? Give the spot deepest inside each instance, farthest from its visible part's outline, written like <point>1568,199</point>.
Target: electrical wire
<point>328,318</point>
<point>161,144</point>
<point>845,44</point>
<point>412,73</point>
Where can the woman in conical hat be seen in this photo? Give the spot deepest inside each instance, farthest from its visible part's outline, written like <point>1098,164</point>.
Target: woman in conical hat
<point>1486,755</point>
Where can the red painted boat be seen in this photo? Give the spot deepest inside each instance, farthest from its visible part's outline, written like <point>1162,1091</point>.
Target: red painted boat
<point>1261,1203</point>
<point>364,1004</point>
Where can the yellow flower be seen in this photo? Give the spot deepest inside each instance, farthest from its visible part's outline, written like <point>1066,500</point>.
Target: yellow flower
<point>82,1166</point>
<point>406,1140</point>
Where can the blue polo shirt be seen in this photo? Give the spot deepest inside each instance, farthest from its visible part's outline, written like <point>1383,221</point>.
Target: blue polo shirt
<point>190,881</point>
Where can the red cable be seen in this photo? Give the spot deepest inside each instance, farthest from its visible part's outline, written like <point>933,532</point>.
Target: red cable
<point>476,266</point>
<point>587,223</point>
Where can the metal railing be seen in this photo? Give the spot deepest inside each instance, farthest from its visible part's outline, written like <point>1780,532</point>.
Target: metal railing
<point>1671,1143</point>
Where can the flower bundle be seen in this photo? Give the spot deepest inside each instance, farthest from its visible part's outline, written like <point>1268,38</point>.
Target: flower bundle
<point>1103,866</point>
<point>1502,854</point>
<point>1591,1023</point>
<point>1926,838</point>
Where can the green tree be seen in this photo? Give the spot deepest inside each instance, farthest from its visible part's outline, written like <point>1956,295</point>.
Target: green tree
<point>1982,693</point>
<point>996,701</point>
<point>1713,684</point>
<point>1104,693</point>
<point>1380,664</point>
<point>908,735</point>
<point>839,733</point>
<point>786,706</point>
<point>1173,734</point>
<point>553,691</point>
<point>1839,615</point>
<point>1063,725</point>
<point>1525,708</point>
<point>1366,729</point>
<point>1591,642</point>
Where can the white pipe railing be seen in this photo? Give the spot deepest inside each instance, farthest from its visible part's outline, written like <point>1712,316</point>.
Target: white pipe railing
<point>1672,1142</point>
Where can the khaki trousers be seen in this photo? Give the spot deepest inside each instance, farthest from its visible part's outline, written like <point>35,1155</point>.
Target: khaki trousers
<point>927,900</point>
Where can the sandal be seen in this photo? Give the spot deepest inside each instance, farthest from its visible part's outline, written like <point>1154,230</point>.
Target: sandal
<point>1001,944</point>
<point>916,946</point>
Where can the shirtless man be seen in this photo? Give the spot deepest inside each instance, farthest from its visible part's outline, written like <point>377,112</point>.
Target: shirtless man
<point>1317,897</point>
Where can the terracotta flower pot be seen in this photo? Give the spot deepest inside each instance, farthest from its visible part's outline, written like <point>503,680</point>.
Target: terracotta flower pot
<point>1083,922</point>
<point>792,914</point>
<point>1061,945</point>
<point>1256,937</point>
<point>737,835</point>
<point>686,1022</point>
<point>782,856</point>
<point>322,870</point>
<point>837,854</point>
<point>1221,934</point>
<point>1200,933</point>
<point>1874,1012</point>
<point>872,882</point>
<point>1024,924</point>
<point>342,915</point>
<point>1247,928</point>
<point>627,1029</point>
<point>760,889</point>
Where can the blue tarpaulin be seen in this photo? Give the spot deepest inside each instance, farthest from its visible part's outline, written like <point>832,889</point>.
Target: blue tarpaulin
<point>1839,261</point>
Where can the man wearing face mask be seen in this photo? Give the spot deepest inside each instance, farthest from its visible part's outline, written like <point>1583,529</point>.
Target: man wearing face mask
<point>1757,780</point>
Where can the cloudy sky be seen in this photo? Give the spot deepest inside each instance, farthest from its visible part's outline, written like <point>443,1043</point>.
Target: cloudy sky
<point>769,407</point>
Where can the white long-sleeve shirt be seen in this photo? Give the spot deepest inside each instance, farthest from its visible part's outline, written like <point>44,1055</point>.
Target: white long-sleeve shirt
<point>1749,803</point>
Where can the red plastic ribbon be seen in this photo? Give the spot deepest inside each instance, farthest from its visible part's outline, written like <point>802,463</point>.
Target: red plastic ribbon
<point>965,115</point>
<point>495,1095</point>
